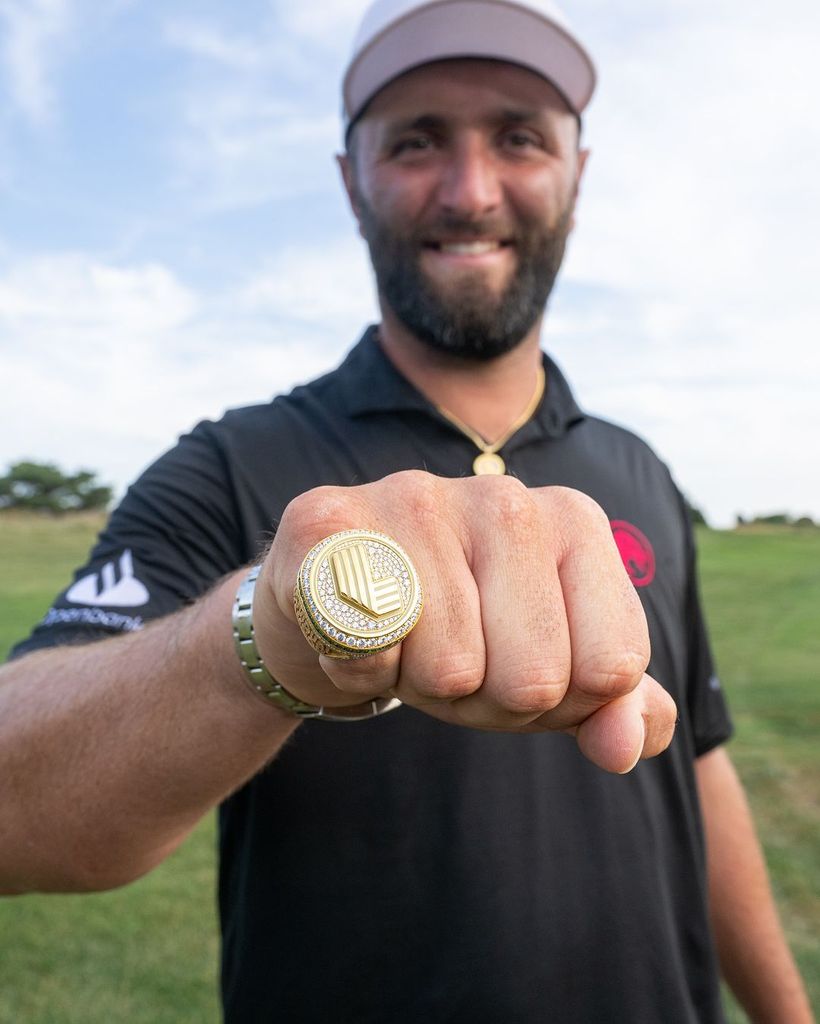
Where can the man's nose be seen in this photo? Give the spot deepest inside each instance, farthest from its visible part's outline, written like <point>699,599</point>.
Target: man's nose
<point>469,185</point>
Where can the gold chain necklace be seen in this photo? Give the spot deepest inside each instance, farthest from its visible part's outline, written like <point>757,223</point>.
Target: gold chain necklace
<point>489,462</point>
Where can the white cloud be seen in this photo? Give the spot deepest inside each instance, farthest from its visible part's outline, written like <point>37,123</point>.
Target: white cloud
<point>104,365</point>
<point>83,352</point>
<point>206,41</point>
<point>730,401</point>
<point>696,187</point>
<point>329,286</point>
<point>699,214</point>
<point>696,240</point>
<point>66,294</point>
<point>255,120</point>
<point>33,31</point>
<point>238,148</point>
<point>331,25</point>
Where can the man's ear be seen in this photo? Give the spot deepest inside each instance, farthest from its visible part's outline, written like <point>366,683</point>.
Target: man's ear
<point>345,165</point>
<point>583,157</point>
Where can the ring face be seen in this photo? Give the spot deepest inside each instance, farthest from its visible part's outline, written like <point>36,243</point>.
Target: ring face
<point>357,593</point>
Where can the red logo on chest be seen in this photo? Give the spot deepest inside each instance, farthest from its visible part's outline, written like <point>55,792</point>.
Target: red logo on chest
<point>636,552</point>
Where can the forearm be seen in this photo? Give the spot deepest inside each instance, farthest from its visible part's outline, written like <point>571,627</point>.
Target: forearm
<point>111,752</point>
<point>754,955</point>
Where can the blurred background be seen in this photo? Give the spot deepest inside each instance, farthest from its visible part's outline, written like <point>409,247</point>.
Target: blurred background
<point>173,238</point>
<point>174,241</point>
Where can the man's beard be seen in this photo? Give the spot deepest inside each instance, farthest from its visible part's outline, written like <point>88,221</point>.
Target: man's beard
<point>468,321</point>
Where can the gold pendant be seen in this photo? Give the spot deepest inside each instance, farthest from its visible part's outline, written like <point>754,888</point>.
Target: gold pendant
<point>489,464</point>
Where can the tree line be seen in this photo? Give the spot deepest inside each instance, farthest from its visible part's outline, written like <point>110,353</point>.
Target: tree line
<point>44,487</point>
<point>776,519</point>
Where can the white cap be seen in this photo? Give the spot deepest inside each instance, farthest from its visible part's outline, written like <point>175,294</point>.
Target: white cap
<point>397,35</point>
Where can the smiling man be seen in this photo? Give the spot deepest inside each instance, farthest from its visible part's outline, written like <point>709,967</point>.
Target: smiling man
<point>475,201</point>
<point>521,838</point>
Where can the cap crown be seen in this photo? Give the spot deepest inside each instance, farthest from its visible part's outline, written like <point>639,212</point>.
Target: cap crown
<point>395,36</point>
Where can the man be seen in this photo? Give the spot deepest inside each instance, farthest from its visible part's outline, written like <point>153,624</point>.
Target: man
<point>486,852</point>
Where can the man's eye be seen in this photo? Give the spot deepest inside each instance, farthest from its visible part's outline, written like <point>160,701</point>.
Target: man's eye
<point>413,144</point>
<point>520,140</point>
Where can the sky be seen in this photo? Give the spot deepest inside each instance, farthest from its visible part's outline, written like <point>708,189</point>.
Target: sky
<point>174,240</point>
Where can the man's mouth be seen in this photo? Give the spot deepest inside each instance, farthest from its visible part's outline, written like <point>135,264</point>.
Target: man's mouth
<point>480,247</point>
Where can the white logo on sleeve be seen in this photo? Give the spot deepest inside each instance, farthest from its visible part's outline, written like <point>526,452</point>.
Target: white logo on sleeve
<point>114,586</point>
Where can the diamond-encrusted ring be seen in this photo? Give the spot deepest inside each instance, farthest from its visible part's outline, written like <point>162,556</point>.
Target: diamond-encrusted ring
<point>357,593</point>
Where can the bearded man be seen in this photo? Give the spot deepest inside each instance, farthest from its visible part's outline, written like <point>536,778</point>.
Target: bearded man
<point>521,837</point>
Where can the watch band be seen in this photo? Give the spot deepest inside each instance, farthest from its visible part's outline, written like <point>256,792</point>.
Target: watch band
<point>263,683</point>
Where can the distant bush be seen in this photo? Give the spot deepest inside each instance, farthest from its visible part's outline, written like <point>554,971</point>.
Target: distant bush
<point>44,487</point>
<point>696,517</point>
<point>778,519</point>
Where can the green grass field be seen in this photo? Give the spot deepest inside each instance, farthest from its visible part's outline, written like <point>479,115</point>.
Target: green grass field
<point>147,954</point>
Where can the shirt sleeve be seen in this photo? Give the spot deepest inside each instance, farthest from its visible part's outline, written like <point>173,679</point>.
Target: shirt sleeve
<point>173,536</point>
<point>707,708</point>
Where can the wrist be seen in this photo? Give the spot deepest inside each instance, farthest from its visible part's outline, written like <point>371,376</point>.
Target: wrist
<point>258,678</point>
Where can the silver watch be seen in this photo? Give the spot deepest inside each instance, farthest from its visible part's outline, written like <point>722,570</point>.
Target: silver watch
<point>263,683</point>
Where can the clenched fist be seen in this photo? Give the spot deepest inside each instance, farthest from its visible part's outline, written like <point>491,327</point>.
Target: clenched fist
<point>530,621</point>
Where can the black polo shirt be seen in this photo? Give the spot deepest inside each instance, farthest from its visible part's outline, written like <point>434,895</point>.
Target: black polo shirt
<point>403,870</point>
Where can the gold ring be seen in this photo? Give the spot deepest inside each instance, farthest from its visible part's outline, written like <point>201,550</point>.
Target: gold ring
<point>357,593</point>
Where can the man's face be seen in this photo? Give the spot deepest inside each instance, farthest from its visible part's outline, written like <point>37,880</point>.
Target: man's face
<point>463,178</point>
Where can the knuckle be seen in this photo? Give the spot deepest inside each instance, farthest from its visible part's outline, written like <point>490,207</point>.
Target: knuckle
<point>607,676</point>
<point>356,678</point>
<point>659,713</point>
<point>412,478</point>
<point>419,493</point>
<point>534,693</point>
<point>508,501</point>
<point>574,505</point>
<point>628,610</point>
<point>451,678</point>
<point>316,513</point>
<point>660,725</point>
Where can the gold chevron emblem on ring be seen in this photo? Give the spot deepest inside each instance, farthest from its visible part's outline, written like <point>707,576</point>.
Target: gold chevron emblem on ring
<point>355,585</point>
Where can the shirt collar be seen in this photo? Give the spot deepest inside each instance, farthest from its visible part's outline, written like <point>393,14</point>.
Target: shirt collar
<point>368,383</point>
